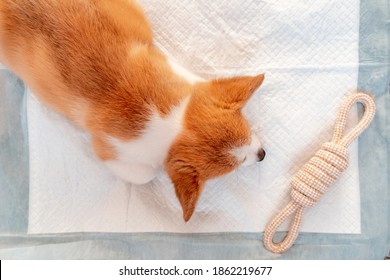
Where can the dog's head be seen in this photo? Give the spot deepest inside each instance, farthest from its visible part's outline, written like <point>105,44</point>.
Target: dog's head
<point>216,137</point>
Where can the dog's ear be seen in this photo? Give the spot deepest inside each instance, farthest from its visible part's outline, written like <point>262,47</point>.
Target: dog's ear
<point>235,92</point>
<point>188,185</point>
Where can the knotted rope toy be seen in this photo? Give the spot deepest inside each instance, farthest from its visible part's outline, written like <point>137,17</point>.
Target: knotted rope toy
<point>319,173</point>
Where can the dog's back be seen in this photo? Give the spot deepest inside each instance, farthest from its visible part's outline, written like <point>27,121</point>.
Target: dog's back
<point>81,48</point>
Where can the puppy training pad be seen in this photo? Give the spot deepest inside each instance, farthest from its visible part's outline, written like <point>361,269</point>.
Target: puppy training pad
<point>309,52</point>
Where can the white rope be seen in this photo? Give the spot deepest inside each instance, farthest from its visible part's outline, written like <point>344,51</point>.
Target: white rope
<point>319,173</point>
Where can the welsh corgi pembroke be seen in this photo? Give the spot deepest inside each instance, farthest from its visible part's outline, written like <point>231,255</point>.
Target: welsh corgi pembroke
<point>94,61</point>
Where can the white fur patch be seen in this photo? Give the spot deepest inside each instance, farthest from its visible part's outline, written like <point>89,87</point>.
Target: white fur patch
<point>79,111</point>
<point>248,154</point>
<point>136,49</point>
<point>141,159</point>
<point>183,72</point>
<point>136,173</point>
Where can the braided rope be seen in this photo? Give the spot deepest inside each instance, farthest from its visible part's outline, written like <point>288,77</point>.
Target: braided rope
<point>319,173</point>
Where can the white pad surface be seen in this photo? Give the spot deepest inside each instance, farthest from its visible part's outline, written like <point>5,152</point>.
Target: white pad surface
<point>309,52</point>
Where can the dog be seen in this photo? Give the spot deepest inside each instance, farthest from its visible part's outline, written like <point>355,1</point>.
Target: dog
<point>94,62</point>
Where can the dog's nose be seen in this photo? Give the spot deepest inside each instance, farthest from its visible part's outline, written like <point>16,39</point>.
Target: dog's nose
<point>261,155</point>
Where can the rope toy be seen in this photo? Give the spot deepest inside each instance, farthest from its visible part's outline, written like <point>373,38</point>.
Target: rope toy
<point>319,173</point>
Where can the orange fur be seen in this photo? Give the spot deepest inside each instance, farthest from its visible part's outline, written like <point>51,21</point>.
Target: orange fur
<point>94,62</point>
<point>214,124</point>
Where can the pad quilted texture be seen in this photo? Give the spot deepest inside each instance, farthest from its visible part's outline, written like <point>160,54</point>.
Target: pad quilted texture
<point>309,52</point>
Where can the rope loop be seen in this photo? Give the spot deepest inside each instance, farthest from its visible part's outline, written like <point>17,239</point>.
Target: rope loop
<point>368,102</point>
<point>319,173</point>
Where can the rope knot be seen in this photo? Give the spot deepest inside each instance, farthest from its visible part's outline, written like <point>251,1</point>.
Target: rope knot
<point>318,174</point>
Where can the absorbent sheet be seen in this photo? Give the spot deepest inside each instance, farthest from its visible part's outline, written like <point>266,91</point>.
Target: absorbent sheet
<point>309,53</point>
